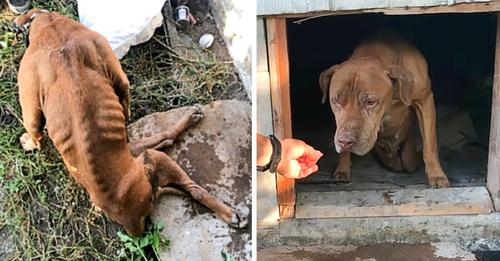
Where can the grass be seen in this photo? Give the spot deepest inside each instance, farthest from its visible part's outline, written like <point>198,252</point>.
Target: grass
<point>49,215</point>
<point>162,80</point>
<point>141,248</point>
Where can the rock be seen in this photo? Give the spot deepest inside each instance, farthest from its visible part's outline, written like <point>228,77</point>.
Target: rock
<point>217,154</point>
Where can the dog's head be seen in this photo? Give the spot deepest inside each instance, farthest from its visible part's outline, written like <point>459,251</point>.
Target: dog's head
<point>136,202</point>
<point>23,20</point>
<point>360,92</point>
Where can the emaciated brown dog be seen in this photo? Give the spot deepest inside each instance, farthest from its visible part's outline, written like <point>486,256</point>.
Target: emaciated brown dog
<point>70,81</point>
<point>377,96</point>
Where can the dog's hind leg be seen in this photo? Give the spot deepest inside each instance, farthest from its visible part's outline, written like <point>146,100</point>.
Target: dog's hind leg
<point>166,138</point>
<point>171,178</point>
<point>33,119</point>
<point>409,156</point>
<point>389,157</point>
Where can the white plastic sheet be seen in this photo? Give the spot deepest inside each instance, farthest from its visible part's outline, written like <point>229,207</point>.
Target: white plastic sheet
<point>123,22</point>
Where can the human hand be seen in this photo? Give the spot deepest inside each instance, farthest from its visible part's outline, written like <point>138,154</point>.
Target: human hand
<point>298,160</point>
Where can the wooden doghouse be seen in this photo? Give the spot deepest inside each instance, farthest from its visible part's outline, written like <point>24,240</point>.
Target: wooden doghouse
<point>277,196</point>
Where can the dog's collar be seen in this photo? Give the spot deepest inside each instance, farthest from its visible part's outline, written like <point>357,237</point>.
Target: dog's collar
<point>24,29</point>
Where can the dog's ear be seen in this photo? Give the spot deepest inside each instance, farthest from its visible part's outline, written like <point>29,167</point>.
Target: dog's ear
<point>402,83</point>
<point>324,81</point>
<point>25,18</point>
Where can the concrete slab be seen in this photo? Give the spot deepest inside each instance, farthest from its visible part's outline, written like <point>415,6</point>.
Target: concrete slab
<point>217,154</point>
<point>473,232</point>
<point>400,202</point>
<point>442,251</point>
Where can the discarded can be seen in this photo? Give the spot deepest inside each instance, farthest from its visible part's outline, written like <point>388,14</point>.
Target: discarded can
<point>182,16</point>
<point>19,6</point>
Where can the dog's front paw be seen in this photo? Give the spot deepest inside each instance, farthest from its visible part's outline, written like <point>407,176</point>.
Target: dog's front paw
<point>238,220</point>
<point>28,143</point>
<point>439,182</point>
<point>342,176</point>
<point>196,115</point>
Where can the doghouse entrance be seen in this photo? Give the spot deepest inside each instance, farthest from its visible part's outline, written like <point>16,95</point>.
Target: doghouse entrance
<point>460,52</point>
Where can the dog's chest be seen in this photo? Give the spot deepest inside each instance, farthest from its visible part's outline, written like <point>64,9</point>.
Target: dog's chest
<point>396,123</point>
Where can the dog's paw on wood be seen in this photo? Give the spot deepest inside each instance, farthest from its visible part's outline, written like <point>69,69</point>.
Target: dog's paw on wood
<point>342,176</point>
<point>28,143</point>
<point>439,182</point>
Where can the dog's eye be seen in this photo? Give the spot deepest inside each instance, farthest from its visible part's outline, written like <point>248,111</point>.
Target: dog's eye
<point>370,102</point>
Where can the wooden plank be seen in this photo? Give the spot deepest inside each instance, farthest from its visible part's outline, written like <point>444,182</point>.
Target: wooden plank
<point>280,99</point>
<point>475,7</point>
<point>399,202</point>
<point>279,76</point>
<point>169,25</point>
<point>493,180</point>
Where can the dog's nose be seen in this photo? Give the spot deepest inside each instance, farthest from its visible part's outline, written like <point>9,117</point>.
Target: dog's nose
<point>346,142</point>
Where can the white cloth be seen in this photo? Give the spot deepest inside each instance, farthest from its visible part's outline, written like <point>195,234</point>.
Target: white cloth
<point>123,22</point>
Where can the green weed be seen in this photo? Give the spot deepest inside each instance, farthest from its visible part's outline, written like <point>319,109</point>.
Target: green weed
<point>139,248</point>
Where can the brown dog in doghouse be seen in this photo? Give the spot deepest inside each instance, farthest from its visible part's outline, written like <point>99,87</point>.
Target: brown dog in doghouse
<point>71,82</point>
<point>377,96</point>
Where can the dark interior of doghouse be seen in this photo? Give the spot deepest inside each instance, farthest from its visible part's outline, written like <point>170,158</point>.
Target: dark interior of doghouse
<point>460,52</point>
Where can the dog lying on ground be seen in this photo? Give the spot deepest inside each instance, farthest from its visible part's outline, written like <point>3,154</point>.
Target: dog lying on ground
<point>377,96</point>
<point>70,81</point>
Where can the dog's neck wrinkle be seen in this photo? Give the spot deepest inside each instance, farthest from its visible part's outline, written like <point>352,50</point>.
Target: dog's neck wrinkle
<point>355,82</point>
<point>111,162</point>
<point>105,181</point>
<point>354,90</point>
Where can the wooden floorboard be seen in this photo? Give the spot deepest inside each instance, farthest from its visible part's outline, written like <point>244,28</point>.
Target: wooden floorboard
<point>394,202</point>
